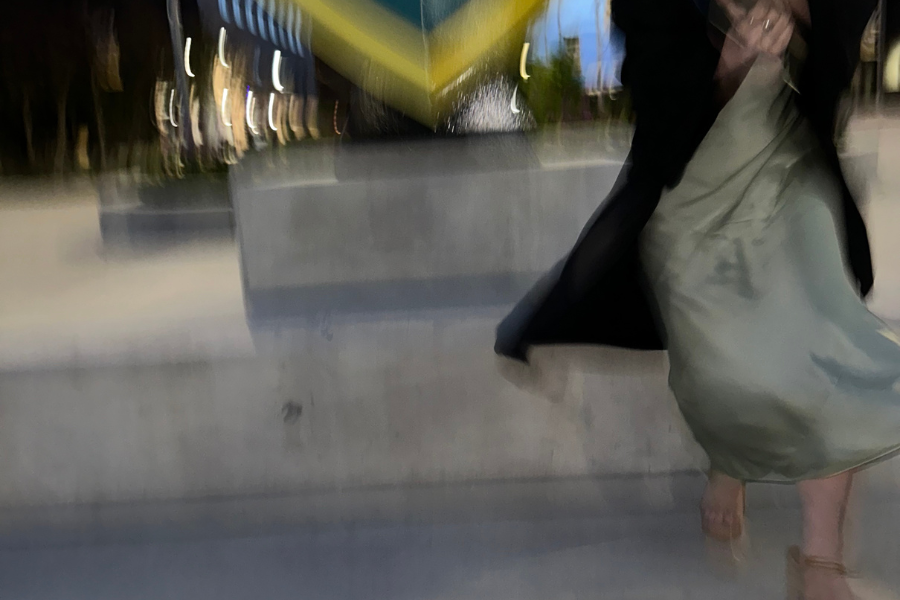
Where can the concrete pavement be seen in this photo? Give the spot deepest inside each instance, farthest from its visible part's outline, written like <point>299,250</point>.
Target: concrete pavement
<point>147,454</point>
<point>648,557</point>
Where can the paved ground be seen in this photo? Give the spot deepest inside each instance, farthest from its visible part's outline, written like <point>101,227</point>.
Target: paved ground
<point>659,557</point>
<point>67,299</point>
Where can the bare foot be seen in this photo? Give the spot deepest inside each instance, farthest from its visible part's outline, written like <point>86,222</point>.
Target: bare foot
<point>722,507</point>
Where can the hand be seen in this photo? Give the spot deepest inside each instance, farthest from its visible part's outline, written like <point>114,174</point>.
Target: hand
<point>766,28</point>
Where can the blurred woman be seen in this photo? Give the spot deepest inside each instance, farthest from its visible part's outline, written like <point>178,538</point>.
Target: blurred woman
<point>756,260</point>
<point>777,365</point>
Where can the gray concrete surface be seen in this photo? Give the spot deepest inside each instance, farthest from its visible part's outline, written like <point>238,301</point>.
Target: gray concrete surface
<point>406,402</point>
<point>69,302</point>
<point>131,375</point>
<point>644,557</point>
<point>630,559</point>
<point>139,210</point>
<point>133,390</point>
<point>426,225</point>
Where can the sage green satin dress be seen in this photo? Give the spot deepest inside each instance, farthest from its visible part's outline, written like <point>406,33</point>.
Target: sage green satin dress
<point>778,367</point>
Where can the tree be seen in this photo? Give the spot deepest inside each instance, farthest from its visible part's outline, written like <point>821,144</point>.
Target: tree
<point>554,90</point>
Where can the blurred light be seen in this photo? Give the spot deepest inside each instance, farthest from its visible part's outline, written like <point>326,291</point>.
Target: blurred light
<point>271,106</point>
<point>892,70</point>
<point>195,117</point>
<point>187,58</point>
<point>248,13</point>
<point>223,11</point>
<point>272,32</point>
<point>261,22</point>
<point>172,108</point>
<point>523,61</point>
<point>289,25</point>
<point>249,112</point>
<point>238,20</point>
<point>298,35</point>
<point>293,117</point>
<point>415,61</point>
<point>512,103</point>
<point>222,48</point>
<point>455,83</point>
<point>276,71</point>
<point>225,120</point>
<point>282,30</point>
<point>488,109</point>
<point>256,57</point>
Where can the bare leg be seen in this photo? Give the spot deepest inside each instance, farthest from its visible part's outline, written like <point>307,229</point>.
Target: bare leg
<point>824,508</point>
<point>722,507</point>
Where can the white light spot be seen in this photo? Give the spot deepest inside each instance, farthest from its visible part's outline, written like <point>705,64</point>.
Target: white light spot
<point>271,106</point>
<point>249,113</point>
<point>276,71</point>
<point>512,103</point>
<point>172,109</point>
<point>225,118</point>
<point>187,58</point>
<point>222,48</point>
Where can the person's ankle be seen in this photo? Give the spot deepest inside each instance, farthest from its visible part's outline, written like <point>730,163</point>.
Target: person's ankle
<point>718,478</point>
<point>823,550</point>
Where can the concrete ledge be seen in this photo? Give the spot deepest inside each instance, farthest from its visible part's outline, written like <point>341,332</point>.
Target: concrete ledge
<point>435,157</point>
<point>269,306</point>
<point>142,223</point>
<point>475,235</point>
<point>419,226</point>
<point>179,209</point>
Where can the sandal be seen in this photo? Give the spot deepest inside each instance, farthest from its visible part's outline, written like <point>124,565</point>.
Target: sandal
<point>797,564</point>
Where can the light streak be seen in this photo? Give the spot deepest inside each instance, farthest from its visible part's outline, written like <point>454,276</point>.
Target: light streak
<point>249,113</point>
<point>276,71</point>
<point>225,108</point>
<point>222,48</point>
<point>187,58</point>
<point>271,106</point>
<point>523,61</point>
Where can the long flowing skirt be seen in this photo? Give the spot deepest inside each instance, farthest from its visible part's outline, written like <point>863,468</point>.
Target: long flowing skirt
<point>778,367</point>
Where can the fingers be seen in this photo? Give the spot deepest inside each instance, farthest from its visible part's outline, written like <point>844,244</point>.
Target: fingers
<point>777,32</point>
<point>758,24</point>
<point>778,42</point>
<point>765,28</point>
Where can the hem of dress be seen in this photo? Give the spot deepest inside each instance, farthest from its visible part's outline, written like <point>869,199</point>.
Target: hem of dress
<point>826,473</point>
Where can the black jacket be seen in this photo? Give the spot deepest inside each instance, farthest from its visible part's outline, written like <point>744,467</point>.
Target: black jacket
<point>596,295</point>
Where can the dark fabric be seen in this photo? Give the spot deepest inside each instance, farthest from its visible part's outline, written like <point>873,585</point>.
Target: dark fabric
<point>834,45</point>
<point>596,294</point>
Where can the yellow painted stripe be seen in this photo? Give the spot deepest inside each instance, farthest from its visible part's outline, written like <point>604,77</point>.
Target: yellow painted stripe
<point>374,32</point>
<point>351,34</point>
<point>473,31</point>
